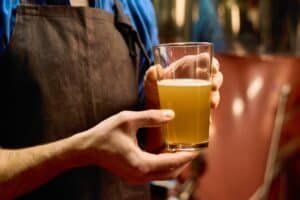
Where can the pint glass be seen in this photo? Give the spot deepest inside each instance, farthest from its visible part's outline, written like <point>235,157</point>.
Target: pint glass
<point>184,85</point>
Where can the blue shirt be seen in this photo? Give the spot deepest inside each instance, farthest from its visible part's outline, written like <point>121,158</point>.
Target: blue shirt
<point>208,28</point>
<point>141,13</point>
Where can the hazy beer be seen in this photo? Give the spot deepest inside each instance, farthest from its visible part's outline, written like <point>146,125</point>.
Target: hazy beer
<point>190,99</point>
<point>184,85</point>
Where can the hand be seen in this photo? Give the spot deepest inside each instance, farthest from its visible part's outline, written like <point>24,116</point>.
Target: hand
<point>112,144</point>
<point>180,68</point>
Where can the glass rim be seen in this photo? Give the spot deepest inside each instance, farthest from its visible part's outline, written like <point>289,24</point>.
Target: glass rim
<point>183,44</point>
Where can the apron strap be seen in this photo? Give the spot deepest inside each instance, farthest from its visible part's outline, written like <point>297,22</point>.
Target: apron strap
<point>131,36</point>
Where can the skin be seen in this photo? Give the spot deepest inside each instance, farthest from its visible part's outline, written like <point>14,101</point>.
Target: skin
<point>22,170</point>
<point>114,139</point>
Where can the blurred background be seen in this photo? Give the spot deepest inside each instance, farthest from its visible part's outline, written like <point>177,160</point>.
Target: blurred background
<point>235,26</point>
<point>254,143</point>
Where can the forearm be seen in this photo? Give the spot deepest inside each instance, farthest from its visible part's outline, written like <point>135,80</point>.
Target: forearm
<point>25,169</point>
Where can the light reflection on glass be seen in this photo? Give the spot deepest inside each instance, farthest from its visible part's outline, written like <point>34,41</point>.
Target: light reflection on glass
<point>238,106</point>
<point>254,87</point>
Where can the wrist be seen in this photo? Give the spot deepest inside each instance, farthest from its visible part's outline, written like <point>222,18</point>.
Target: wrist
<point>75,151</point>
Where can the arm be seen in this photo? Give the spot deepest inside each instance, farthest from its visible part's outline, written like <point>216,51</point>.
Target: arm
<point>25,169</point>
<point>111,144</point>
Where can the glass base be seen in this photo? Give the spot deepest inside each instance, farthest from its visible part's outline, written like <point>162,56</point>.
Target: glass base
<point>187,147</point>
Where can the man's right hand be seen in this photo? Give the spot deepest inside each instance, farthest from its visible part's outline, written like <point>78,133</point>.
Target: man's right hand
<point>112,144</point>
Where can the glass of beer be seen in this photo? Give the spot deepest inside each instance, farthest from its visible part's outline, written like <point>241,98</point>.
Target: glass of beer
<point>184,85</point>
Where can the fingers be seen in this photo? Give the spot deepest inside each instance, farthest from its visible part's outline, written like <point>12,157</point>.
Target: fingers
<point>217,76</point>
<point>201,60</point>
<point>168,161</point>
<point>146,119</point>
<point>196,168</point>
<point>215,65</point>
<point>168,174</point>
<point>150,87</point>
<point>153,118</point>
<point>186,66</point>
<point>151,74</point>
<point>202,73</point>
<point>164,166</point>
<point>215,99</point>
<point>217,80</point>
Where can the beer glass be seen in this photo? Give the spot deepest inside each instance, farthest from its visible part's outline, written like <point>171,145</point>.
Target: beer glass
<point>184,85</point>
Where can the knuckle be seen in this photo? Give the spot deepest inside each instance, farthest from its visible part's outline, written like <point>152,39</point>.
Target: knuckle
<point>124,116</point>
<point>215,95</point>
<point>215,99</point>
<point>153,67</point>
<point>216,64</point>
<point>125,119</point>
<point>144,169</point>
<point>141,167</point>
<point>221,77</point>
<point>217,80</point>
<point>215,84</point>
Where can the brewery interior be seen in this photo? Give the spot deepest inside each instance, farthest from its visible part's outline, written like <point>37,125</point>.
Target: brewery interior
<point>66,70</point>
<point>254,145</point>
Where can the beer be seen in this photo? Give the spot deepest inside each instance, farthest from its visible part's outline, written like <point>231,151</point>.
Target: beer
<point>190,99</point>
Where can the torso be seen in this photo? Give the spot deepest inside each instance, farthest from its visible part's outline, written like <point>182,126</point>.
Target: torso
<point>68,69</point>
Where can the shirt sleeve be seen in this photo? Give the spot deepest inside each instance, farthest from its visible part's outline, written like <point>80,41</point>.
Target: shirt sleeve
<point>7,22</point>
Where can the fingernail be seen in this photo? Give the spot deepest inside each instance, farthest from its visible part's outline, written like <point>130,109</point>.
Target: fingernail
<point>168,114</point>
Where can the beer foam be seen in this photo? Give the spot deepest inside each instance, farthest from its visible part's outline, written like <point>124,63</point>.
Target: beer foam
<point>184,82</point>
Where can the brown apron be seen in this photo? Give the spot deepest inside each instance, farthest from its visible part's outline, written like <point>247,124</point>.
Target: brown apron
<point>68,68</point>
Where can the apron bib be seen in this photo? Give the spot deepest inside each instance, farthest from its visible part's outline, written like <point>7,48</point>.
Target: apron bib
<point>69,68</point>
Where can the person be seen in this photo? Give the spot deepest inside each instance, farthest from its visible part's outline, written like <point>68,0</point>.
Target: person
<point>72,76</point>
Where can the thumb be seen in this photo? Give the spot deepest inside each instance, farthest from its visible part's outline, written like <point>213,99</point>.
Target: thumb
<point>153,118</point>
